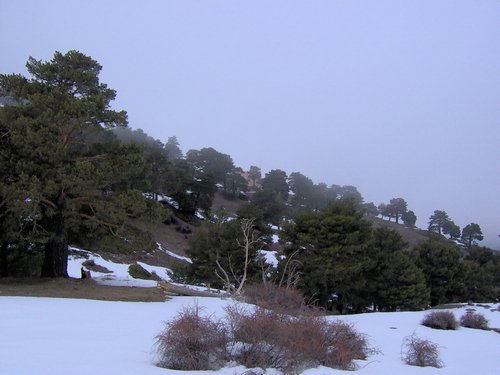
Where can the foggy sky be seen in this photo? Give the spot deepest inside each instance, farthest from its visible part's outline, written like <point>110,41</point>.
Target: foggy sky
<point>398,98</point>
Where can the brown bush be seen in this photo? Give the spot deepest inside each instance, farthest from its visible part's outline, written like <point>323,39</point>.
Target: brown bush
<point>346,345</point>
<point>440,320</point>
<point>474,320</point>
<point>254,336</point>
<point>264,338</point>
<point>192,342</point>
<point>420,352</point>
<point>280,299</point>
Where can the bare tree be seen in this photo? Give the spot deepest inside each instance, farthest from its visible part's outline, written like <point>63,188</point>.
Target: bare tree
<point>291,273</point>
<point>229,276</point>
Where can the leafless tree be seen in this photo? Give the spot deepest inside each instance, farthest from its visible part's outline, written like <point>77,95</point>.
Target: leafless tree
<point>234,283</point>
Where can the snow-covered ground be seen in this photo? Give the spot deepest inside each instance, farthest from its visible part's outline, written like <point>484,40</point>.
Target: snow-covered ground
<point>70,336</point>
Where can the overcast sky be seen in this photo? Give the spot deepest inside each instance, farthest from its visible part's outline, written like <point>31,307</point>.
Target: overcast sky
<point>398,98</point>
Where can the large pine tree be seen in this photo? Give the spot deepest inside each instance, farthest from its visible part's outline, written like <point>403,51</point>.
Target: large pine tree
<point>334,253</point>
<point>66,170</point>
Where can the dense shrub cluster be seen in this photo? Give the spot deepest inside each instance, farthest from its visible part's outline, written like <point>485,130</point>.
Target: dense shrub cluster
<point>420,352</point>
<point>259,338</point>
<point>474,320</point>
<point>192,341</point>
<point>440,320</point>
<point>276,298</point>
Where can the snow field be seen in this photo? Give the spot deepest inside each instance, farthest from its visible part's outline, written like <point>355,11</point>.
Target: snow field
<point>70,336</point>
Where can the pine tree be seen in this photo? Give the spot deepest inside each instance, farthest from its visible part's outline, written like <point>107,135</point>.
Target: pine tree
<point>65,161</point>
<point>471,234</point>
<point>438,220</point>
<point>334,253</point>
<point>440,263</point>
<point>396,282</point>
<point>220,243</point>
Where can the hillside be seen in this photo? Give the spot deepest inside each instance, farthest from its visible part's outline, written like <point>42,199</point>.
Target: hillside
<point>176,236</point>
<point>411,235</point>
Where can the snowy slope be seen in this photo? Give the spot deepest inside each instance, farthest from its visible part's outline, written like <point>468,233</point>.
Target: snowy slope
<point>65,336</point>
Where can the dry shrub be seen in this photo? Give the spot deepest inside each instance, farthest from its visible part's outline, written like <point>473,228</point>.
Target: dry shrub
<point>304,343</point>
<point>265,338</point>
<point>346,344</point>
<point>474,320</point>
<point>192,342</point>
<point>440,320</point>
<point>420,352</point>
<point>253,334</point>
<point>273,297</point>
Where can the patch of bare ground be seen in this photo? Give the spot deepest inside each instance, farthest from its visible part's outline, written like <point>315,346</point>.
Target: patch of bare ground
<point>169,238</point>
<point>411,235</point>
<point>77,288</point>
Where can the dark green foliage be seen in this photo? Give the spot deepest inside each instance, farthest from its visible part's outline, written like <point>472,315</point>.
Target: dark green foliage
<point>401,284</point>
<point>489,261</point>
<point>303,191</point>
<point>396,283</point>
<point>273,208</point>
<point>275,182</point>
<point>208,161</point>
<point>334,253</point>
<point>235,183</point>
<point>409,218</point>
<point>172,148</point>
<point>24,260</point>
<point>451,229</point>
<point>386,241</point>
<point>63,164</point>
<point>370,209</point>
<point>251,211</point>
<point>478,282</point>
<point>438,220</point>
<point>128,239</point>
<point>384,210</point>
<point>219,242</point>
<point>471,234</point>
<point>346,192</point>
<point>397,207</point>
<point>440,263</point>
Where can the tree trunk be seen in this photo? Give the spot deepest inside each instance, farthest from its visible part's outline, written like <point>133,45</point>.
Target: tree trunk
<point>55,260</point>
<point>4,267</point>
